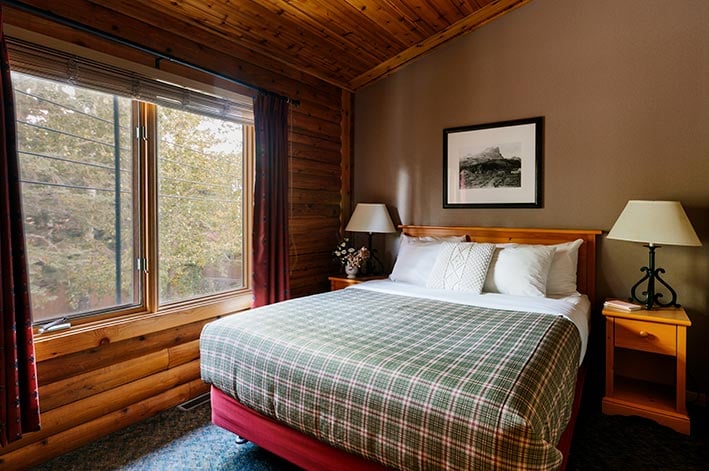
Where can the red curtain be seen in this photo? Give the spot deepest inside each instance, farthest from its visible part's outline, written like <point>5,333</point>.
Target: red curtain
<point>19,410</point>
<point>270,237</point>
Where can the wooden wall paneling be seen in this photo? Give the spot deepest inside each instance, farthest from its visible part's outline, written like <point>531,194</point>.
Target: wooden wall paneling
<point>346,176</point>
<point>309,227</point>
<point>315,260</point>
<point>314,125</point>
<point>304,181</point>
<point>65,366</point>
<point>304,285</point>
<point>183,353</point>
<point>329,112</point>
<point>308,165</point>
<point>315,199</point>
<point>92,382</point>
<point>309,196</point>
<point>316,142</point>
<point>312,240</point>
<point>97,378</point>
<point>299,290</point>
<point>317,244</point>
<point>72,438</point>
<point>307,270</point>
<point>306,129</point>
<point>77,387</point>
<point>315,209</point>
<point>89,408</point>
<point>313,153</point>
<point>122,396</point>
<point>306,280</point>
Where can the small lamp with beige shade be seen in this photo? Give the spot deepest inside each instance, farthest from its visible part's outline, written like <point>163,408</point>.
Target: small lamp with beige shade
<point>654,223</point>
<point>371,218</point>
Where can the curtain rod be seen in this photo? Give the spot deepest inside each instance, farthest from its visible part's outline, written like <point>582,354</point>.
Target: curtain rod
<point>159,55</point>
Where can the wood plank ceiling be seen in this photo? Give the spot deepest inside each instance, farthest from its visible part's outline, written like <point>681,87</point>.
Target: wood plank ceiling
<point>347,43</point>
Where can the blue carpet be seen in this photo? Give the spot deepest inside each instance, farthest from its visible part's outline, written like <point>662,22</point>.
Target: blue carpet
<point>174,440</point>
<point>186,440</point>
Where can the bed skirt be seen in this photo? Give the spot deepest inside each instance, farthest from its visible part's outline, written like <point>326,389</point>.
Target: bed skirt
<point>291,445</point>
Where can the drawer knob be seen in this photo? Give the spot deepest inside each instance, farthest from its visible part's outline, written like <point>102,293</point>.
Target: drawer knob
<point>643,334</point>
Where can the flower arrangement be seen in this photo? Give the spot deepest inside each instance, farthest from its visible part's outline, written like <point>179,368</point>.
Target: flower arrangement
<point>356,259</point>
<point>349,256</point>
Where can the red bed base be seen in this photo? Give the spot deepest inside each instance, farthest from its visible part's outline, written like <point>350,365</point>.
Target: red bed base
<point>291,445</point>
<point>311,454</point>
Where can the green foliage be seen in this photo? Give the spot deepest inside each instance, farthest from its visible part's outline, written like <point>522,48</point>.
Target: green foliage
<point>200,204</point>
<point>67,160</point>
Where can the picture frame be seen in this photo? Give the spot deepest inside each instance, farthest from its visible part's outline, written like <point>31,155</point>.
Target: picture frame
<point>494,165</point>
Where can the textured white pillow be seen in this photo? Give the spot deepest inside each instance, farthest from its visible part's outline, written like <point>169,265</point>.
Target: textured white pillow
<point>562,274</point>
<point>520,270</point>
<point>415,260</point>
<point>461,266</point>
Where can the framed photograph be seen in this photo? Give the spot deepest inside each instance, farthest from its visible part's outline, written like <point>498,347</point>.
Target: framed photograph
<point>494,165</point>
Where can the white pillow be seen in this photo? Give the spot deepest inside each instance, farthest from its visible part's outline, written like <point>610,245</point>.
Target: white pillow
<point>562,274</point>
<point>415,260</point>
<point>461,266</point>
<point>520,270</point>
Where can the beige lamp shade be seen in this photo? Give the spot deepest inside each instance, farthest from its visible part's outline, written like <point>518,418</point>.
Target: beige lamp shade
<point>370,217</point>
<point>654,223</point>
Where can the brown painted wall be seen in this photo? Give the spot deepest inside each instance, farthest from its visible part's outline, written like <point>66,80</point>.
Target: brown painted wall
<point>623,87</point>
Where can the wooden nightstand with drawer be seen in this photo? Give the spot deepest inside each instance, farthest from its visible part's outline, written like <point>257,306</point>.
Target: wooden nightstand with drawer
<point>645,365</point>
<point>340,282</point>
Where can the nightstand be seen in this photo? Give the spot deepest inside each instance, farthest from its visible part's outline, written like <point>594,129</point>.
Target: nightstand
<point>645,365</point>
<point>339,282</point>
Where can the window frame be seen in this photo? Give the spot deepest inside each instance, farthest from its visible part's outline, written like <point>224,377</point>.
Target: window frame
<point>145,161</point>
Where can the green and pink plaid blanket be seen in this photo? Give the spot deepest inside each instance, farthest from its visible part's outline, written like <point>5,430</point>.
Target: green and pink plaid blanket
<point>410,383</point>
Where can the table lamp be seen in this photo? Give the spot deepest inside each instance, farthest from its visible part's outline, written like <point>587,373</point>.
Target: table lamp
<point>371,218</point>
<point>654,223</point>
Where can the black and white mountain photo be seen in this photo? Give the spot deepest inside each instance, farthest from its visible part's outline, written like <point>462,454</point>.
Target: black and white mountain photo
<point>491,169</point>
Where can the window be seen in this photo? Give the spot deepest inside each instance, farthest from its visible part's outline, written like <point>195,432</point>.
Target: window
<point>77,178</point>
<point>200,228</point>
<point>109,182</point>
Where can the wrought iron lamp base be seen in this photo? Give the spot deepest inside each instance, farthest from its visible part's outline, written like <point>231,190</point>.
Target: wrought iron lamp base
<point>651,297</point>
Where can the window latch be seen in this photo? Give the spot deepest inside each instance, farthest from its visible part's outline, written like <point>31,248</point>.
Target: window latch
<point>57,324</point>
<point>140,133</point>
<point>141,264</point>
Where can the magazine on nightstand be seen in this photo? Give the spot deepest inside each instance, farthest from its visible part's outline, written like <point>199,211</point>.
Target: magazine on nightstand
<point>621,305</point>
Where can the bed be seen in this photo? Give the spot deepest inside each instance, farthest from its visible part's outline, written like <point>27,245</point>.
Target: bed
<point>417,373</point>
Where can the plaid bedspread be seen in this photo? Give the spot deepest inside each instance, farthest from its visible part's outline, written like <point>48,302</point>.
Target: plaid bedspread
<point>410,383</point>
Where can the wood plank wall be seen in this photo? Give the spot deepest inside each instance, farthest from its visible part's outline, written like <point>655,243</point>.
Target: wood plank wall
<point>102,379</point>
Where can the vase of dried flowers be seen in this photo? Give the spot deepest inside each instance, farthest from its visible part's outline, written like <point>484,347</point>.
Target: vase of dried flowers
<point>351,258</point>
<point>351,270</point>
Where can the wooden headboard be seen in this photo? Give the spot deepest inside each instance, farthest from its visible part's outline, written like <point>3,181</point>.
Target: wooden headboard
<point>586,272</point>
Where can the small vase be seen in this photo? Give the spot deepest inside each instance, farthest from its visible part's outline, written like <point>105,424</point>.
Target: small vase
<point>351,271</point>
